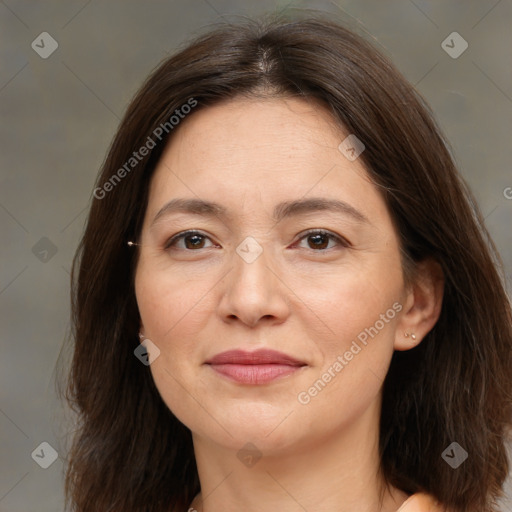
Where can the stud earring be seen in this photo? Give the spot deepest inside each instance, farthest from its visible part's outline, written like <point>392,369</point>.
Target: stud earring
<point>131,244</point>
<point>412,335</point>
<point>141,336</point>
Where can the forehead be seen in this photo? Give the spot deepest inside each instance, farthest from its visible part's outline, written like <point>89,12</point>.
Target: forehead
<point>262,151</point>
<point>282,125</point>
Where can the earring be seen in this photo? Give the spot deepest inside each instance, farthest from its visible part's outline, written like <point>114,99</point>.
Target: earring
<point>130,243</point>
<point>412,335</point>
<point>141,336</point>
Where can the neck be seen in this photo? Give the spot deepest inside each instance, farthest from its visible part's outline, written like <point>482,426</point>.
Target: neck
<point>338,473</point>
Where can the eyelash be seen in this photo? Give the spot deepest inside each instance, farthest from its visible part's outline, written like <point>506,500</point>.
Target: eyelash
<point>341,241</point>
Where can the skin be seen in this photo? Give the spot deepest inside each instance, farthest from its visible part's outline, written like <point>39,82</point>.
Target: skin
<point>309,302</point>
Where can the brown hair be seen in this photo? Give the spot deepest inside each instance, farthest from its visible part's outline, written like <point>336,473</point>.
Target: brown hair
<point>130,453</point>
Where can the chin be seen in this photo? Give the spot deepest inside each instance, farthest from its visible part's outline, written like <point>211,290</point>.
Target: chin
<point>267,431</point>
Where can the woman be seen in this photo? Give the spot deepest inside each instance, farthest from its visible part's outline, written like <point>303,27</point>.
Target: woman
<point>285,297</point>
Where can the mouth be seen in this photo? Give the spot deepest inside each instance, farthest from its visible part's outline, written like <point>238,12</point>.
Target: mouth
<point>258,367</point>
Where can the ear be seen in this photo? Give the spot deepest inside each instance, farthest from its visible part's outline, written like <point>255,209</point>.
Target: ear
<point>422,305</point>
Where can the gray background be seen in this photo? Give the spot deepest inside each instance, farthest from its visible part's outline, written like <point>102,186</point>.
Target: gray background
<point>59,115</point>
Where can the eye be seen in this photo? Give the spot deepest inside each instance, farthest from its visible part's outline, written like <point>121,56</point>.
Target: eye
<point>192,240</point>
<point>318,240</point>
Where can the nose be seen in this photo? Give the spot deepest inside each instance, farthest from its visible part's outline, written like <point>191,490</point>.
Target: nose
<point>254,292</point>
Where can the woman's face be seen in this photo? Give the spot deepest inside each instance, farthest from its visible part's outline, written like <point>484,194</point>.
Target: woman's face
<point>276,265</point>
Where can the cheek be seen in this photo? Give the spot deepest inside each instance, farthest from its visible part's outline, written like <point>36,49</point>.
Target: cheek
<point>354,298</point>
<point>175,309</point>
<point>359,312</point>
<point>354,361</point>
<point>363,339</point>
<point>172,315</point>
<point>172,305</point>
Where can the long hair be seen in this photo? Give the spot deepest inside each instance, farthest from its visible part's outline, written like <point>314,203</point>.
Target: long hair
<point>130,453</point>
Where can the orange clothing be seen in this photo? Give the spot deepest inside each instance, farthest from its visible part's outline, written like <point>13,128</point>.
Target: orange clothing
<point>420,502</point>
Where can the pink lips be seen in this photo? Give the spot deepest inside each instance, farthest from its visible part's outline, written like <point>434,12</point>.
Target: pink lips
<point>258,367</point>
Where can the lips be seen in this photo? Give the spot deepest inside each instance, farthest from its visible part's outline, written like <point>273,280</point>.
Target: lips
<point>258,367</point>
<point>262,356</point>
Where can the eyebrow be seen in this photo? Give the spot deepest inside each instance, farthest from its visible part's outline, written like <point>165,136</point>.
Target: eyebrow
<point>283,210</point>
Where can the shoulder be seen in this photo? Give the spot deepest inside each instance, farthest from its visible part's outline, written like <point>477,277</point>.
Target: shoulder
<point>421,502</point>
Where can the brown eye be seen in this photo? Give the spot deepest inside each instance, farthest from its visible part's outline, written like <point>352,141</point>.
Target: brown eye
<point>191,240</point>
<point>319,240</point>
